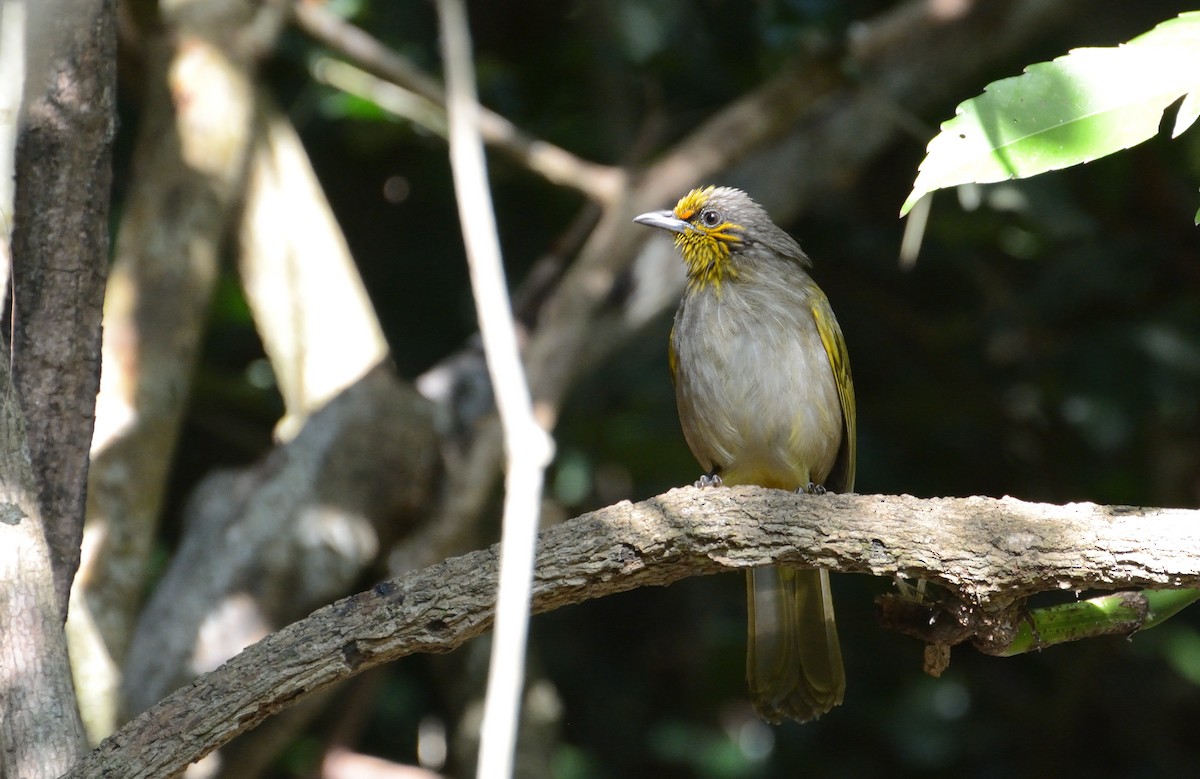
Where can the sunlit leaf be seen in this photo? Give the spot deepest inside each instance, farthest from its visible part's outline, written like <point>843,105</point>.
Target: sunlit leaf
<point>1189,110</point>
<point>1087,104</point>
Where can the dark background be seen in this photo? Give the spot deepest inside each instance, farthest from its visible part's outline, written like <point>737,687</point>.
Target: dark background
<point>1046,346</point>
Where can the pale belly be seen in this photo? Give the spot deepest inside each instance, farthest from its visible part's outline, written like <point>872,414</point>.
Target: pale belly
<point>757,399</point>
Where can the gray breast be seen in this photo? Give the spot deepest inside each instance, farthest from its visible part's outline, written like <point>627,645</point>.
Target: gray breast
<point>757,398</point>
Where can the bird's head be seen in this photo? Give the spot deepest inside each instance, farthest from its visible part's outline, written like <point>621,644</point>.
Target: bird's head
<point>714,227</point>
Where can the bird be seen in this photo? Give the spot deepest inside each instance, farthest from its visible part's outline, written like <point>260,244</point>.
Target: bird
<point>765,397</point>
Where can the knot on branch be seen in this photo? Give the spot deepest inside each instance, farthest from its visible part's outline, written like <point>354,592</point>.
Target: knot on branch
<point>946,621</point>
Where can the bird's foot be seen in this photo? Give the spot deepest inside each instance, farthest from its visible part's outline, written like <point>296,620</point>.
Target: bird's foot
<point>709,480</point>
<point>813,489</point>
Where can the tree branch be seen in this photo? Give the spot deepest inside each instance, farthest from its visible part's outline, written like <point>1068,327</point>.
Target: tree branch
<point>989,553</point>
<point>60,256</point>
<point>266,544</point>
<point>41,733</point>
<point>601,183</point>
<point>292,252</point>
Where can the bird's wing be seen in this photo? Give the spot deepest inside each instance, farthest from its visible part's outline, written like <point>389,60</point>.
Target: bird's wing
<point>842,477</point>
<point>672,359</point>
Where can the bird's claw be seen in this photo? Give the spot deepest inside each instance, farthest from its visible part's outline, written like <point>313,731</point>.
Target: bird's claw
<point>709,480</point>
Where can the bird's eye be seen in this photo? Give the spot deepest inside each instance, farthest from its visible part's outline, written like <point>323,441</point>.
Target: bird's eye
<point>710,218</point>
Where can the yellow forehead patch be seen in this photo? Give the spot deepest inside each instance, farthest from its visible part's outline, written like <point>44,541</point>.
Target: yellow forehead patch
<point>692,202</point>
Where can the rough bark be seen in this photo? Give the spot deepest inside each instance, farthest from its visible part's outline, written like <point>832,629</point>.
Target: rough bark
<point>41,734</point>
<point>989,553</point>
<point>60,258</point>
<point>268,544</point>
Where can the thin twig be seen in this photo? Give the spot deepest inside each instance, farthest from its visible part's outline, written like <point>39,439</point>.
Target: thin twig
<point>601,183</point>
<point>528,448</point>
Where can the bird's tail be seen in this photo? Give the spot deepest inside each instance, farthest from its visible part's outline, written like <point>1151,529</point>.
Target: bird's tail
<point>793,658</point>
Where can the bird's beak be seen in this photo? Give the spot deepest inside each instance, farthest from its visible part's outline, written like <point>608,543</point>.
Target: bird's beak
<point>663,219</point>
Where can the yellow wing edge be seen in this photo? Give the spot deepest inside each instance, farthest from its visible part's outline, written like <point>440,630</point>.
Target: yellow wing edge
<point>839,362</point>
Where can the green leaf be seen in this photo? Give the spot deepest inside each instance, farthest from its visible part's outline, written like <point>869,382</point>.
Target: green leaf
<point>1084,105</point>
<point>1189,109</point>
<point>1122,612</point>
<point>1165,604</point>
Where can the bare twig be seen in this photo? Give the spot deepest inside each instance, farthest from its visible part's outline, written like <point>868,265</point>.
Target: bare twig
<point>528,449</point>
<point>271,542</point>
<point>601,183</point>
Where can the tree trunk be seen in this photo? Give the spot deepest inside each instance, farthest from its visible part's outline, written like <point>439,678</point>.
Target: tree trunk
<point>41,734</point>
<point>60,256</point>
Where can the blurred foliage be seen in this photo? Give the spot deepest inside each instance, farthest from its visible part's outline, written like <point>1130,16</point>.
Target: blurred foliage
<point>1046,345</point>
